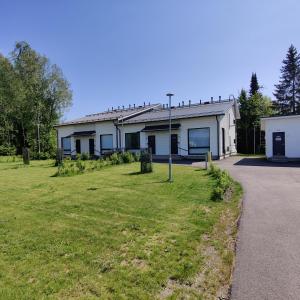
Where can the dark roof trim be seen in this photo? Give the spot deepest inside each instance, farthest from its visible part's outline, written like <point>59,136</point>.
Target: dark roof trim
<point>84,133</point>
<point>173,118</point>
<point>163,127</point>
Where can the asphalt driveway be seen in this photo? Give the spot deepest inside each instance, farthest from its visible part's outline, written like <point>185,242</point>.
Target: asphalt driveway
<point>268,247</point>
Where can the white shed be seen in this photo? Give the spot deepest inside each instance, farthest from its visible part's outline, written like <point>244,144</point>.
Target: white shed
<point>282,136</point>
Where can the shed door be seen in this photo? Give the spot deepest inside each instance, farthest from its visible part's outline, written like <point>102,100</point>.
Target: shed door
<point>278,144</point>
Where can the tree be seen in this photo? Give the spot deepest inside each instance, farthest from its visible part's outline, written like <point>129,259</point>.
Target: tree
<point>254,86</point>
<point>252,108</point>
<point>287,92</point>
<point>33,95</point>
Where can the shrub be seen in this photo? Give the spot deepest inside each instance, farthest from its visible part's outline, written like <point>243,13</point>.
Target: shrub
<point>115,159</point>
<point>7,150</point>
<point>127,157</point>
<point>224,183</point>
<point>84,156</point>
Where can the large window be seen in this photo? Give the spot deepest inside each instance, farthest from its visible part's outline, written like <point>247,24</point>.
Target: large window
<point>66,145</point>
<point>106,142</point>
<point>198,140</point>
<point>132,140</point>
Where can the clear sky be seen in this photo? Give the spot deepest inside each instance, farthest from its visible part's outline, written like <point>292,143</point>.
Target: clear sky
<point>120,52</point>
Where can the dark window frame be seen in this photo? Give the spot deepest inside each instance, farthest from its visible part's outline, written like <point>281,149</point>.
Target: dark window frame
<point>200,153</point>
<point>139,141</point>
<point>106,149</point>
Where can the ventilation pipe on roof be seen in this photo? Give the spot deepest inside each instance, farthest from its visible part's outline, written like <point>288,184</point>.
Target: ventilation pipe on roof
<point>182,103</point>
<point>211,99</point>
<point>220,98</point>
<point>200,101</point>
<point>190,102</point>
<point>166,105</point>
<point>179,104</point>
<point>133,105</point>
<point>144,104</point>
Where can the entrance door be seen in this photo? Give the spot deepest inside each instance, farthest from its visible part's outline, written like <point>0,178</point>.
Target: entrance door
<point>78,147</point>
<point>174,144</point>
<point>92,146</point>
<point>278,144</point>
<point>151,143</point>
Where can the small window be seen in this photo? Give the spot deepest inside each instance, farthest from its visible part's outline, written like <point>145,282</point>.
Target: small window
<point>132,140</point>
<point>199,140</point>
<point>106,142</point>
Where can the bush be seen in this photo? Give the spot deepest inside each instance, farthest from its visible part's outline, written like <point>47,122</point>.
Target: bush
<point>70,167</point>
<point>6,150</point>
<point>127,157</point>
<point>84,156</point>
<point>224,183</point>
<point>116,159</point>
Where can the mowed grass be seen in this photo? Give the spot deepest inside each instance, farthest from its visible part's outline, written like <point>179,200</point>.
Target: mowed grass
<point>111,234</point>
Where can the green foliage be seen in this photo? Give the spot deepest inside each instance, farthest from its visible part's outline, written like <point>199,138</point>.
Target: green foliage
<point>127,157</point>
<point>8,150</point>
<point>287,91</point>
<point>252,108</point>
<point>116,159</point>
<point>33,96</point>
<point>82,164</point>
<point>254,86</point>
<point>224,183</point>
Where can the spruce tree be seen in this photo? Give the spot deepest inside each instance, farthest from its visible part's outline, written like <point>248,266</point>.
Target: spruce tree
<point>287,92</point>
<point>254,86</point>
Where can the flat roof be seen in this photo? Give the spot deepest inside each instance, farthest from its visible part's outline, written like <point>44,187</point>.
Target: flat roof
<point>280,117</point>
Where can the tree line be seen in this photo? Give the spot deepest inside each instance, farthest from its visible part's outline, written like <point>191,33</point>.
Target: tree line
<point>33,96</point>
<point>254,105</point>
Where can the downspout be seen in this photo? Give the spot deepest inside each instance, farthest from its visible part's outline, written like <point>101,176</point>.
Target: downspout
<point>218,139</point>
<point>117,135</point>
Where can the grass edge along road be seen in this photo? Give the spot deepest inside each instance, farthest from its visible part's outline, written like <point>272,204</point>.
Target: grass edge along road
<point>114,234</point>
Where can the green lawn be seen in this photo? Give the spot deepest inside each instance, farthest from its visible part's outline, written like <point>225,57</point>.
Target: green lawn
<point>113,234</point>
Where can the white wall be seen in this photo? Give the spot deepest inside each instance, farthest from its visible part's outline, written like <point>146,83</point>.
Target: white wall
<point>162,138</point>
<point>228,123</point>
<point>291,127</point>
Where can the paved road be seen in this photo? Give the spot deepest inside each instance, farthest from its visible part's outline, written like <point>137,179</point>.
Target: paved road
<point>268,248</point>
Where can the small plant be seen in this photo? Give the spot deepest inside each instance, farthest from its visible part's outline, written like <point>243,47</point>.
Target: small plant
<point>84,156</point>
<point>127,157</point>
<point>116,159</point>
<point>224,185</point>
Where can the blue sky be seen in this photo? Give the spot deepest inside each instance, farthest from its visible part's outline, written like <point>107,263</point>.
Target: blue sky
<point>121,52</point>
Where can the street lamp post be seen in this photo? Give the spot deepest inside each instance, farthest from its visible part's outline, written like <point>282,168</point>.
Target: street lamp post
<point>170,139</point>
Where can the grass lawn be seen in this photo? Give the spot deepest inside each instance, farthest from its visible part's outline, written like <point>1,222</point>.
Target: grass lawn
<point>113,234</point>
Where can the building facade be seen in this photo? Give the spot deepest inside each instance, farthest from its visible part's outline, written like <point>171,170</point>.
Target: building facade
<point>282,136</point>
<point>196,129</point>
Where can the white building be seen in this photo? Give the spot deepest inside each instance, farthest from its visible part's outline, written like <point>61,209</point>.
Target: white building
<point>196,129</point>
<point>282,135</point>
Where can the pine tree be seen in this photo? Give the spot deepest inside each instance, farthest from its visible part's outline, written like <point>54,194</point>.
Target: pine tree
<point>254,86</point>
<point>287,92</point>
